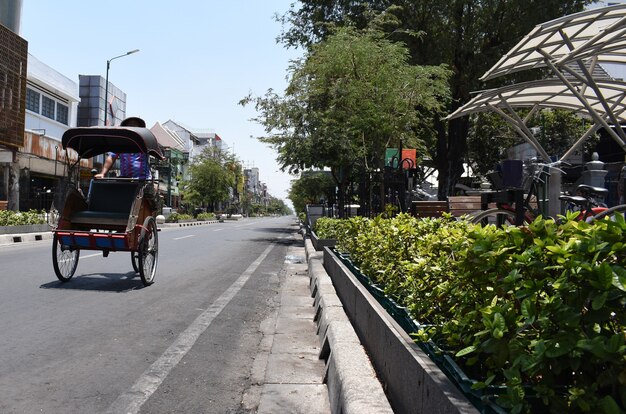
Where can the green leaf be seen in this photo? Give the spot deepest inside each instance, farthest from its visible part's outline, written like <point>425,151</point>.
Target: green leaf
<point>556,249</point>
<point>595,346</point>
<point>615,342</point>
<point>528,310</point>
<point>603,276</point>
<point>608,405</point>
<point>599,301</point>
<point>466,351</point>
<point>619,277</point>
<point>559,346</point>
<point>498,326</point>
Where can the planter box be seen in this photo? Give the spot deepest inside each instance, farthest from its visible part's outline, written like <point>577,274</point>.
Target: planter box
<point>319,244</point>
<point>414,383</point>
<point>26,228</point>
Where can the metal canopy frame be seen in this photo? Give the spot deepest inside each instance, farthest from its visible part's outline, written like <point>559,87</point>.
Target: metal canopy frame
<point>571,47</point>
<point>592,33</point>
<point>550,93</point>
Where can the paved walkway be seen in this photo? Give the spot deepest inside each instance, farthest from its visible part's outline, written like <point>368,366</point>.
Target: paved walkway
<point>288,373</point>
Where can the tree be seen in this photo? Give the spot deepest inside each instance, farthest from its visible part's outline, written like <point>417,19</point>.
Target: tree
<point>310,188</point>
<point>212,179</point>
<point>353,95</point>
<point>467,35</point>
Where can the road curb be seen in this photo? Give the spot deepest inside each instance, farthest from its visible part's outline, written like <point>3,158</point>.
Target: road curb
<point>6,239</point>
<point>353,386</point>
<point>187,223</point>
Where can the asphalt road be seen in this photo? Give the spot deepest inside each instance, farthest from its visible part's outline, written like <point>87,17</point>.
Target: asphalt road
<point>104,343</point>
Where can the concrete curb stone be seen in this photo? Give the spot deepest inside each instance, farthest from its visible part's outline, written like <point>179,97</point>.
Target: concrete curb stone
<point>6,239</point>
<point>353,386</point>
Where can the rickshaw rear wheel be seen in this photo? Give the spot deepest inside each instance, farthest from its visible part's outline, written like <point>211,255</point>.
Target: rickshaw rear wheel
<point>148,251</point>
<point>64,259</point>
<point>134,259</point>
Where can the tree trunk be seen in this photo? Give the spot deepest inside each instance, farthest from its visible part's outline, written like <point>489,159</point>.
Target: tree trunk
<point>453,147</point>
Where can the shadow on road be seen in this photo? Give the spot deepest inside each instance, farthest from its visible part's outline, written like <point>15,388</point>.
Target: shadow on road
<point>280,233</point>
<point>100,282</point>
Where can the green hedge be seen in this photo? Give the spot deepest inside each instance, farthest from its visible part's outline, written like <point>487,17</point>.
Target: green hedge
<point>18,218</point>
<point>175,217</point>
<point>205,216</point>
<point>328,228</point>
<point>539,309</point>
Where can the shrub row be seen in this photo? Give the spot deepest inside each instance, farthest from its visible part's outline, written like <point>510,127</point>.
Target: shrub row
<point>18,218</point>
<point>205,216</point>
<point>175,217</point>
<point>327,228</point>
<point>539,310</point>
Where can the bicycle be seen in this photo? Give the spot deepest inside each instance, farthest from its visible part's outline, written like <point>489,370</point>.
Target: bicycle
<point>507,213</point>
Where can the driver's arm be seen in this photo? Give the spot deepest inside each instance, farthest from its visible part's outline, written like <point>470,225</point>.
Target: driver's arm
<point>108,162</point>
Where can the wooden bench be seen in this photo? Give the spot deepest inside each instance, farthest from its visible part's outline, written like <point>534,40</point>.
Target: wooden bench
<point>422,209</point>
<point>4,204</point>
<point>110,203</point>
<point>461,205</point>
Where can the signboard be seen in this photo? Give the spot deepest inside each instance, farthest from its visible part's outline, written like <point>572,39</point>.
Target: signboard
<point>408,158</point>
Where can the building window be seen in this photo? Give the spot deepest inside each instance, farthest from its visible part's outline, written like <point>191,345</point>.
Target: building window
<point>62,113</point>
<point>47,107</point>
<point>32,100</point>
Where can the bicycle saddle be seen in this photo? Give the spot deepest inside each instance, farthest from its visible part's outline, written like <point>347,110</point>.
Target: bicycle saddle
<point>578,200</point>
<point>590,191</point>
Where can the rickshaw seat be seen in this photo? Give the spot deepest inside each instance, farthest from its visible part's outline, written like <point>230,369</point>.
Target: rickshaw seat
<point>109,203</point>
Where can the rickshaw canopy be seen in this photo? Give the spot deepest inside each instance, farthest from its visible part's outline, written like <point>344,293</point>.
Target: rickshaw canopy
<point>91,141</point>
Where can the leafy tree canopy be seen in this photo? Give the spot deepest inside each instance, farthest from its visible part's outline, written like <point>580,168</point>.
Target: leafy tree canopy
<point>310,188</point>
<point>213,174</point>
<point>353,95</point>
<point>468,35</point>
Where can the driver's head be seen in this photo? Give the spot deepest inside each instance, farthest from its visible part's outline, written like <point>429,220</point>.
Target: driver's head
<point>133,121</point>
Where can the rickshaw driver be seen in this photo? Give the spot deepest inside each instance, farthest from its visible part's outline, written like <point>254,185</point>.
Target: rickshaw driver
<point>132,165</point>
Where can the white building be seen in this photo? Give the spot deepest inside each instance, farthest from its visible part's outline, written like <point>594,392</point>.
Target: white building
<point>51,109</point>
<point>51,100</point>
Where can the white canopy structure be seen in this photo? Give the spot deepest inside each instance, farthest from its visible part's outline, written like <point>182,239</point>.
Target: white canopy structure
<point>571,47</point>
<point>597,33</point>
<point>551,93</point>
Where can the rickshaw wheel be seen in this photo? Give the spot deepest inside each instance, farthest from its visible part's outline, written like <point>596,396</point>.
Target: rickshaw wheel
<point>64,260</point>
<point>134,258</point>
<point>148,251</point>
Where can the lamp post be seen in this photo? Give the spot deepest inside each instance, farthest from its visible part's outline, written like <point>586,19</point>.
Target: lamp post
<point>106,85</point>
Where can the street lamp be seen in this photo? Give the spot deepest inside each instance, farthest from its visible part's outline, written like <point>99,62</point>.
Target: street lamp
<point>106,85</point>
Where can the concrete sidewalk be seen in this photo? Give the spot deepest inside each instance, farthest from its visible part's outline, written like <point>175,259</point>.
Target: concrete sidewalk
<point>288,376</point>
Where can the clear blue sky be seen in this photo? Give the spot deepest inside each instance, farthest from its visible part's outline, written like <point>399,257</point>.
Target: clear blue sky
<point>197,59</point>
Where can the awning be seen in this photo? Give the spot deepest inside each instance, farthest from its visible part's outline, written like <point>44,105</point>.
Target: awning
<point>571,47</point>
<point>550,93</point>
<point>598,33</point>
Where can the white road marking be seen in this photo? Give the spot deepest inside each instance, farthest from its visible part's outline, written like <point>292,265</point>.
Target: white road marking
<point>131,401</point>
<point>218,229</point>
<point>185,237</point>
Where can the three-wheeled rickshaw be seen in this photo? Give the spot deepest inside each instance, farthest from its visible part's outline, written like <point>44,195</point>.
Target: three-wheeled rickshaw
<point>117,214</point>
